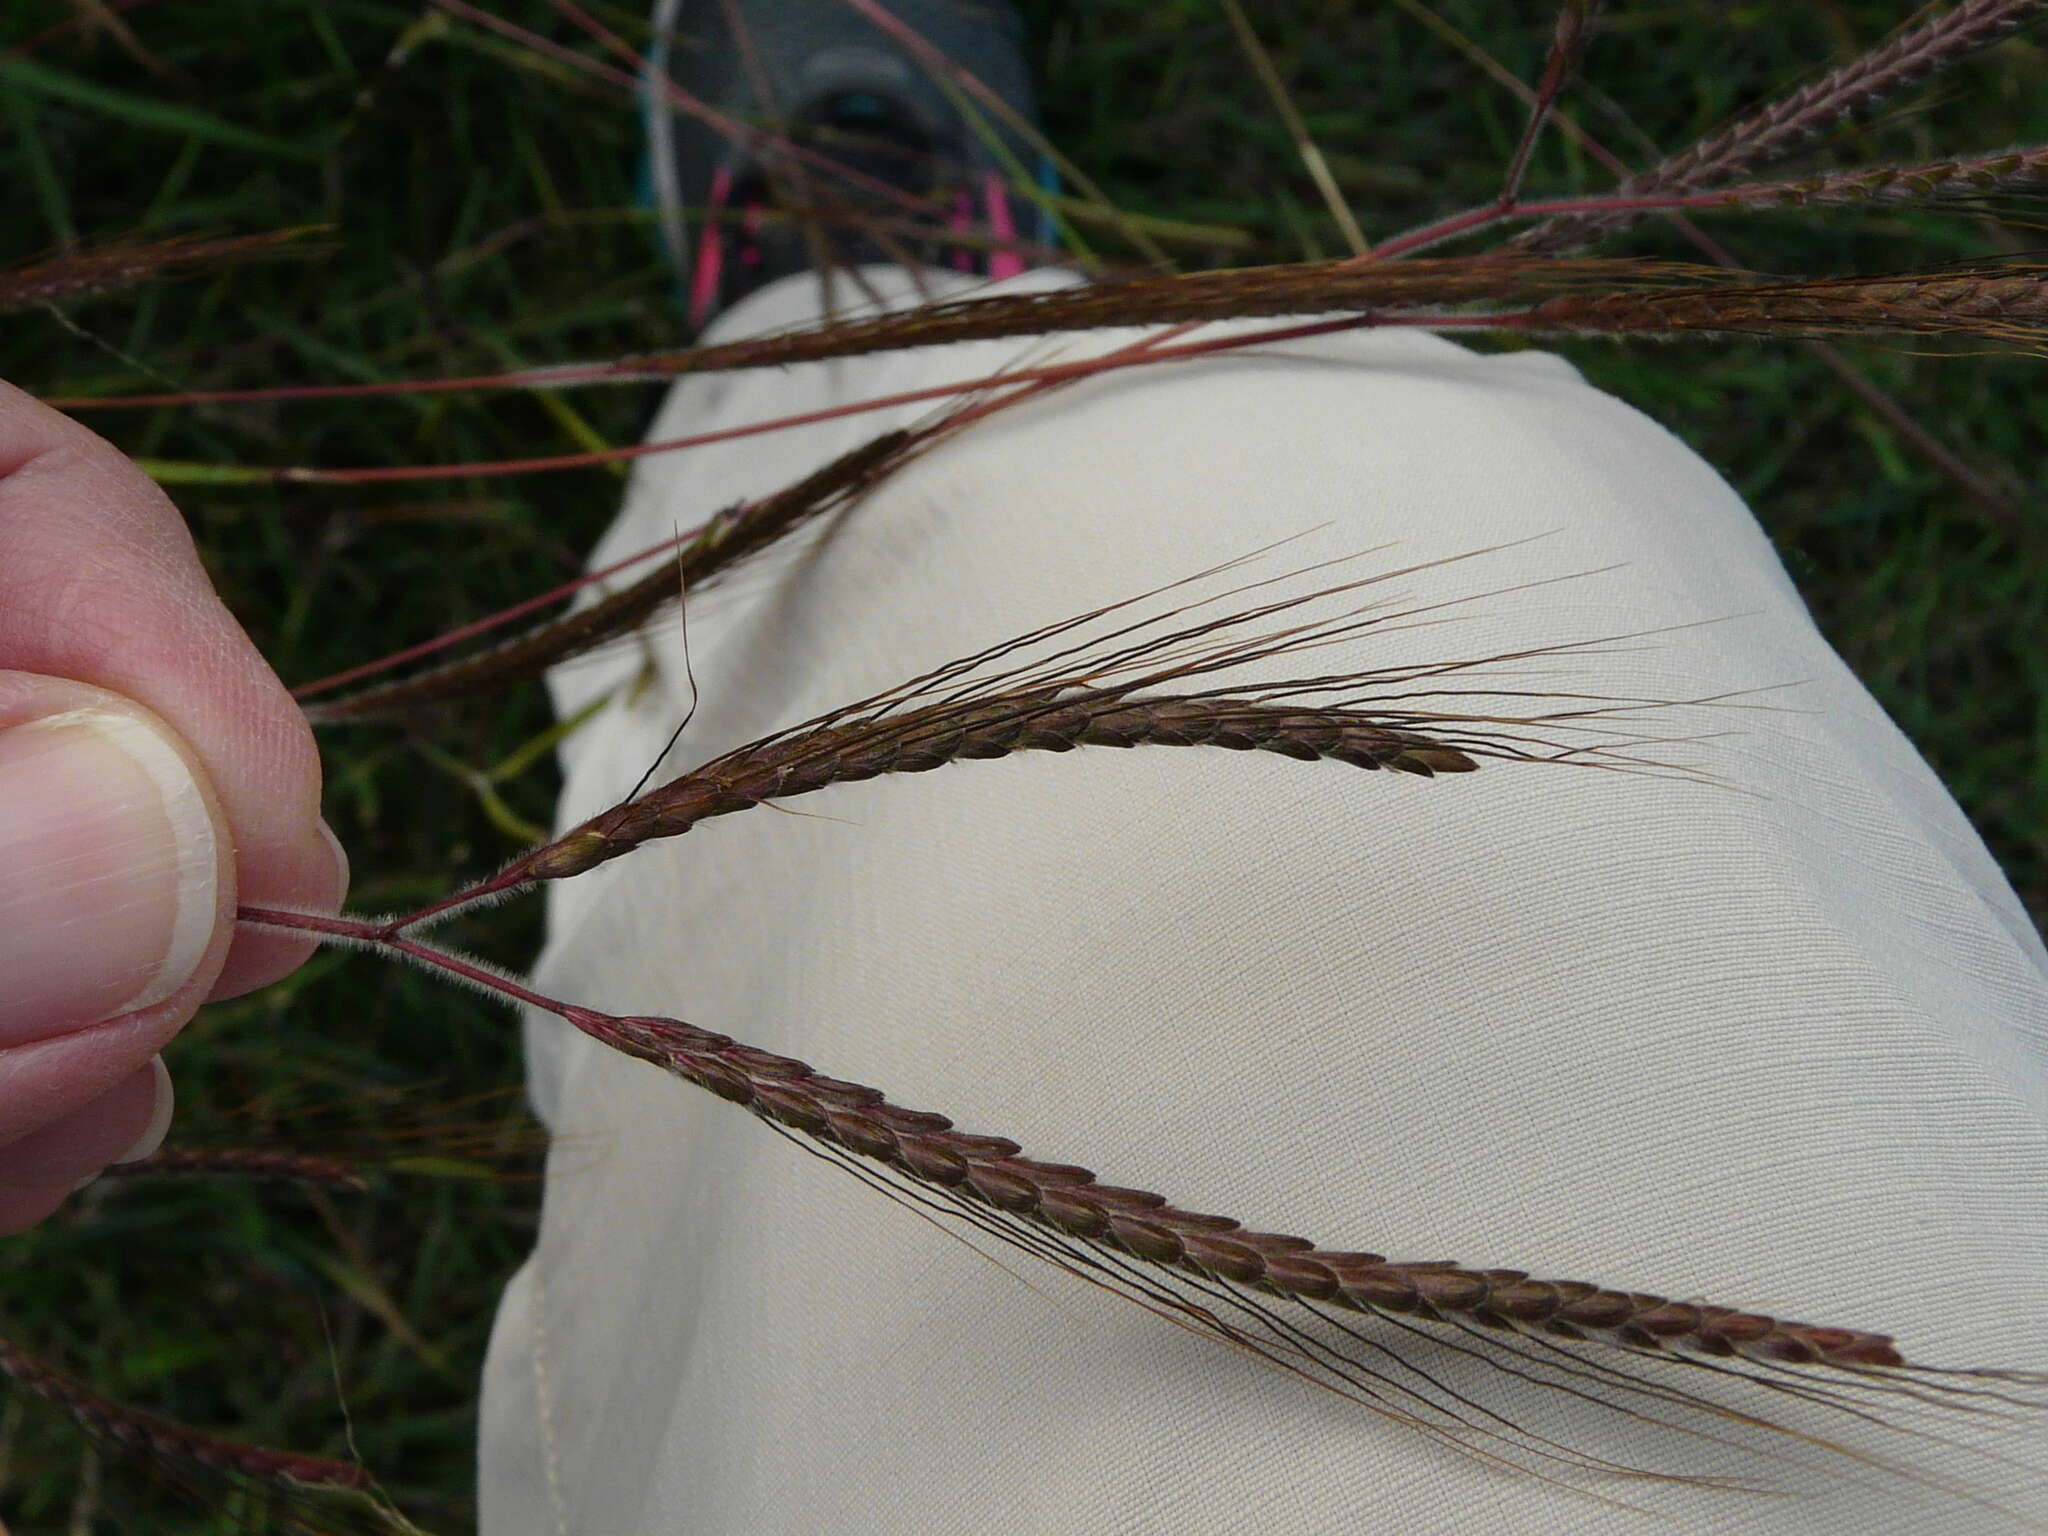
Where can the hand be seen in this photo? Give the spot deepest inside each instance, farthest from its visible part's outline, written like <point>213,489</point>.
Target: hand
<point>152,767</point>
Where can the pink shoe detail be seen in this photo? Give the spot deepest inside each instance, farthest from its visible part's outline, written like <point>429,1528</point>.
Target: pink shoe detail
<point>961,221</point>
<point>1001,263</point>
<point>710,263</point>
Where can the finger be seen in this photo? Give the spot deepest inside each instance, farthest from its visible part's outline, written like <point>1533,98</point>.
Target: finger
<point>115,872</point>
<point>99,582</point>
<point>117,892</point>
<point>126,1122</point>
<point>40,1172</point>
<point>21,1209</point>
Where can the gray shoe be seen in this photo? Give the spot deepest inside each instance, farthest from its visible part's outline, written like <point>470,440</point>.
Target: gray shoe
<point>886,166</point>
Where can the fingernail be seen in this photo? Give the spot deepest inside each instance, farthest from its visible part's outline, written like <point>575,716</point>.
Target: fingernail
<point>108,871</point>
<point>341,879</point>
<point>159,1125</point>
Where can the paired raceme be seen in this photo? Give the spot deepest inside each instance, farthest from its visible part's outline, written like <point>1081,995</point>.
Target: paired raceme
<point>1776,129</point>
<point>1077,684</point>
<point>1125,675</point>
<point>986,1178</point>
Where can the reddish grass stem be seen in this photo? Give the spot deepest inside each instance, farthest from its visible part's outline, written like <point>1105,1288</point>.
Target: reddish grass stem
<point>164,1438</point>
<point>490,621</point>
<point>708,552</point>
<point>308,475</point>
<point>252,1163</point>
<point>1567,40</point>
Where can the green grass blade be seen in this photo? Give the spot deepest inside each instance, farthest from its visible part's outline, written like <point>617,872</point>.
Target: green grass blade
<point>27,75</point>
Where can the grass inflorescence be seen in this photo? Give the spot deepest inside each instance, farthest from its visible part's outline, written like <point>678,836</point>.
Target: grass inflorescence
<point>473,212</point>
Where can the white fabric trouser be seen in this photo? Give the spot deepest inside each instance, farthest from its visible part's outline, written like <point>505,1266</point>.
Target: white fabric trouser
<point>1775,1041</point>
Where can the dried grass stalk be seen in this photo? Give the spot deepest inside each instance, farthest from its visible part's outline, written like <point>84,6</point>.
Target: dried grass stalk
<point>1775,130</point>
<point>80,274</point>
<point>166,1440</point>
<point>2005,303</point>
<point>1307,288</point>
<point>1567,43</point>
<point>729,537</point>
<point>1426,292</point>
<point>1972,177</point>
<point>267,1164</point>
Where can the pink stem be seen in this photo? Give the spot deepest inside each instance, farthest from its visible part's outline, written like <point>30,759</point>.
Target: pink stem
<point>1494,213</point>
<point>519,610</point>
<point>357,931</point>
<point>557,376</point>
<point>642,371</point>
<point>1003,261</point>
<point>505,881</point>
<point>1565,41</point>
<point>1131,357</point>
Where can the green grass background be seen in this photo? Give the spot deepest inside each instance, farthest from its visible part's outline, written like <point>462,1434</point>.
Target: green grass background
<point>482,209</point>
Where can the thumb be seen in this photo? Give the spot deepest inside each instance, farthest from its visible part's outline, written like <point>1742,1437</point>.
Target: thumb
<point>116,890</point>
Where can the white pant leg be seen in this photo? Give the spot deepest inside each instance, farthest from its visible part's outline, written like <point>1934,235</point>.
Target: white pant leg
<point>1778,1046</point>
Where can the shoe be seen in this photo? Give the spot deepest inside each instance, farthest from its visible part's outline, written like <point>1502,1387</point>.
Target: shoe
<point>886,167</point>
